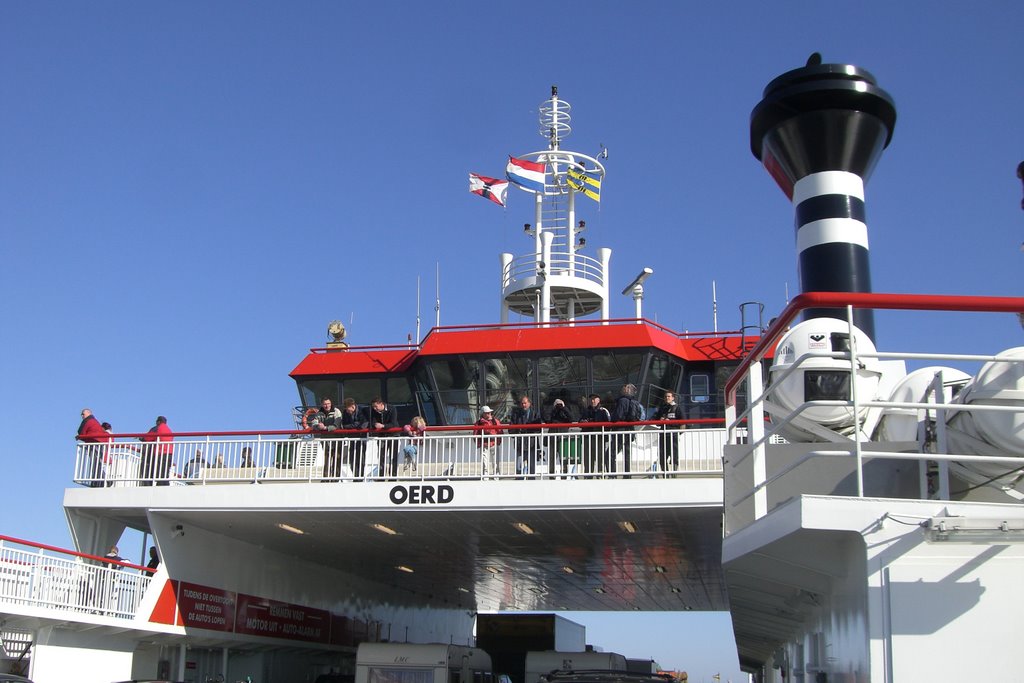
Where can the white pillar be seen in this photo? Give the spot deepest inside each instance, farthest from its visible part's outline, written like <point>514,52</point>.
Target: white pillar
<point>545,283</point>
<point>506,280</point>
<point>605,255</point>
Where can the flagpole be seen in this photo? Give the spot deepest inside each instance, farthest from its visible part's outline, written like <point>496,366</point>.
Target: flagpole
<point>437,294</point>
<point>417,310</point>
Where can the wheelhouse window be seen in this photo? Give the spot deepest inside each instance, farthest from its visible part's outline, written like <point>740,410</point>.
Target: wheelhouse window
<point>562,377</point>
<point>312,391</point>
<point>614,370</point>
<point>456,381</point>
<point>362,390</point>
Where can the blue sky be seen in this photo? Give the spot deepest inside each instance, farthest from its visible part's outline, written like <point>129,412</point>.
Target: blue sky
<point>190,191</point>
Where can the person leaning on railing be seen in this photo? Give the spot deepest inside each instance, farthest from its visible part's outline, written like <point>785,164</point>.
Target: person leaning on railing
<point>324,423</point>
<point>354,418</point>
<point>414,432</point>
<point>383,420</point>
<point>91,432</point>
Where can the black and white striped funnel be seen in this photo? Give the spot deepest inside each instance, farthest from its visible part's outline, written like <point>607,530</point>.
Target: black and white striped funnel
<point>819,130</point>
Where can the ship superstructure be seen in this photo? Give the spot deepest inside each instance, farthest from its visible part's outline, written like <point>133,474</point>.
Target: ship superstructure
<point>871,515</point>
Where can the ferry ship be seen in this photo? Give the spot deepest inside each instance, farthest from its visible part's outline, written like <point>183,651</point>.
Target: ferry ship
<point>857,519</point>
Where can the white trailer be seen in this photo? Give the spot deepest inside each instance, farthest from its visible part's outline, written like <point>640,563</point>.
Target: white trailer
<point>544,662</point>
<point>421,663</point>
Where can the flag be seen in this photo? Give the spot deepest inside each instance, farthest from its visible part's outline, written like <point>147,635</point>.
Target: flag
<point>489,188</point>
<point>585,183</point>
<point>527,174</point>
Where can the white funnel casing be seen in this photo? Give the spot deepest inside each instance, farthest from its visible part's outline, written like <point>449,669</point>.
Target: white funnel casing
<point>819,376</point>
<point>904,424</point>
<point>999,383</point>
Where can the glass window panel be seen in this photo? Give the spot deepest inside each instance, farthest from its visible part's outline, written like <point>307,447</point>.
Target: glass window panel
<point>456,380</point>
<point>613,370</point>
<point>363,390</point>
<point>312,391</point>
<point>563,377</point>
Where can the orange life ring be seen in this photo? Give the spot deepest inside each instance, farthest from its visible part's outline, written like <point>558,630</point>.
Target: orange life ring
<point>305,417</point>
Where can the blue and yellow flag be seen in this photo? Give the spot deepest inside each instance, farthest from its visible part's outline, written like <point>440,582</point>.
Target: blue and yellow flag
<point>580,181</point>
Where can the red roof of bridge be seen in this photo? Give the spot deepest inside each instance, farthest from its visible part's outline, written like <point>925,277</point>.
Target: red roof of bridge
<point>519,339</point>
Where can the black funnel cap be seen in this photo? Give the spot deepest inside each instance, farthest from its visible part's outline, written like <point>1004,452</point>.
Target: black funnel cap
<point>821,117</point>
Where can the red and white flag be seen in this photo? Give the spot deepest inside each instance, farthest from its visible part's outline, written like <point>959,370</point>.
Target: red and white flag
<point>489,188</point>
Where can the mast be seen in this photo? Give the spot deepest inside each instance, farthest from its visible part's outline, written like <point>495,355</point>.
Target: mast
<point>556,281</point>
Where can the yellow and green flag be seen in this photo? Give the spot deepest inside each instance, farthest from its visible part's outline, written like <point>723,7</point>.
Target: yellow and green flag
<point>581,181</point>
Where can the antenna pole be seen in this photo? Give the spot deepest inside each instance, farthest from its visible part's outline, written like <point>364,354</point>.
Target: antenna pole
<point>437,294</point>
<point>417,309</point>
<point>714,306</point>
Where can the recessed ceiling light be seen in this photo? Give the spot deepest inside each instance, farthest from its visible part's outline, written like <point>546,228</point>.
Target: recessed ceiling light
<point>659,569</point>
<point>291,529</point>
<point>493,570</point>
<point>384,529</point>
<point>674,589</point>
<point>464,590</point>
<point>628,527</point>
<point>525,528</point>
<point>403,568</point>
<point>568,570</point>
<point>599,590</point>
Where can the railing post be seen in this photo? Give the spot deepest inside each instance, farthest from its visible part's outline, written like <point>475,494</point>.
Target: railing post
<point>857,446</point>
<point>940,434</point>
<point>755,435</point>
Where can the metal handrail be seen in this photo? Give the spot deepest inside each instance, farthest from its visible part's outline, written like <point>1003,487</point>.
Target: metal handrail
<point>570,450</point>
<point>69,581</point>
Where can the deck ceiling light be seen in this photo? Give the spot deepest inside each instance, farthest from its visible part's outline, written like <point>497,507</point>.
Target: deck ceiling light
<point>291,529</point>
<point>493,570</point>
<point>628,527</point>
<point>385,529</point>
<point>659,569</point>
<point>403,568</point>
<point>525,528</point>
<point>568,570</point>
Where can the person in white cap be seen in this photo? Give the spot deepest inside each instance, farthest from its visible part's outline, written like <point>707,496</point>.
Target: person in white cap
<point>488,428</point>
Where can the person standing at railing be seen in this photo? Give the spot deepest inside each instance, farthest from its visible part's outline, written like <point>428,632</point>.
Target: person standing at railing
<point>355,418</point>
<point>562,446</point>
<point>668,458</point>
<point>109,581</point>
<point>414,432</point>
<point>627,409</point>
<point>384,420</point>
<point>488,426</point>
<point>90,431</point>
<point>594,442</point>
<point>527,441</point>
<point>324,423</point>
<point>156,454</point>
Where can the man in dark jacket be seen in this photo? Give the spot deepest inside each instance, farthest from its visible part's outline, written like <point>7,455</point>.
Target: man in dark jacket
<point>595,446</point>
<point>527,443</point>
<point>354,418</point>
<point>90,431</point>
<point>627,409</point>
<point>669,440</point>
<point>325,422</point>
<point>382,419</point>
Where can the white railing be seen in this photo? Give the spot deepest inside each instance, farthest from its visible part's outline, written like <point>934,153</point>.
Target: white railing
<point>561,263</point>
<point>442,453</point>
<point>856,446</point>
<point>36,577</point>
